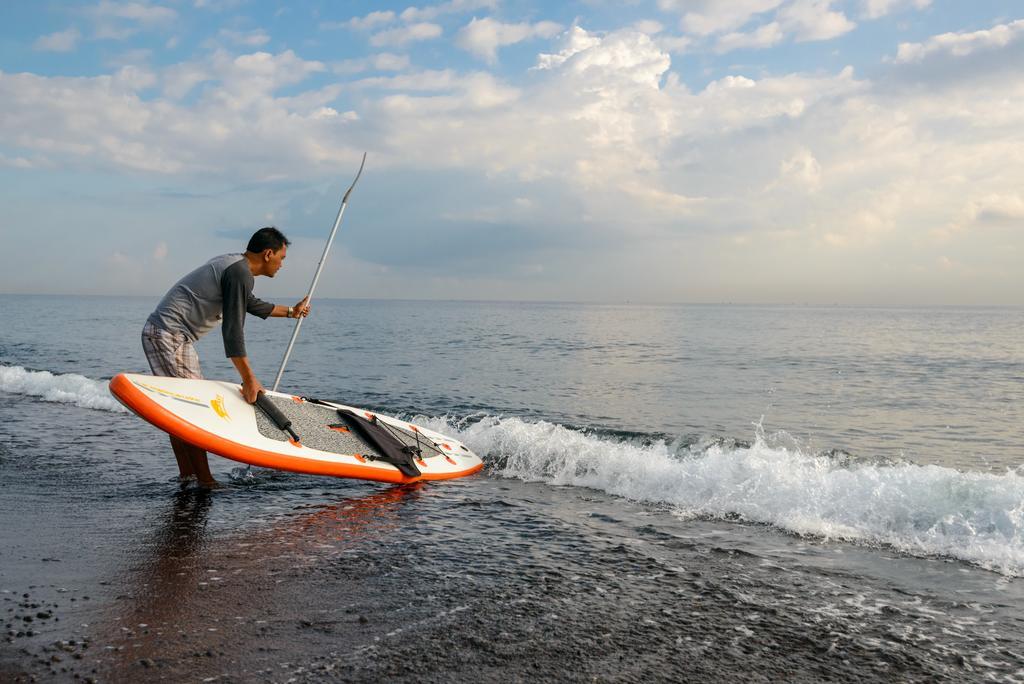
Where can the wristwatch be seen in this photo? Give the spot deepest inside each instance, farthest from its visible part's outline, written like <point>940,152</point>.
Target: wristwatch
<point>290,311</point>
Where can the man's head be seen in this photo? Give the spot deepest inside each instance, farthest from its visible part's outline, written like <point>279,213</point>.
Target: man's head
<point>268,247</point>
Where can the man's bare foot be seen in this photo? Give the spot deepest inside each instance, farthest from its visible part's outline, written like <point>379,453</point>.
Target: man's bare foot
<point>209,484</point>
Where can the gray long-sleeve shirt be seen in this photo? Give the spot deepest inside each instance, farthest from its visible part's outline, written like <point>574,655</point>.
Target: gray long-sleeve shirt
<point>220,288</point>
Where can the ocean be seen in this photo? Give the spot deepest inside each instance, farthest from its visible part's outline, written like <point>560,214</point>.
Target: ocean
<point>671,493</point>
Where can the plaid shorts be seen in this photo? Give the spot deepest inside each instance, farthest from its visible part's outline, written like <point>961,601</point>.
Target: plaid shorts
<point>170,354</point>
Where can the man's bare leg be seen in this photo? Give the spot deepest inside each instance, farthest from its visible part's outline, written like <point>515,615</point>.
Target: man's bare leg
<point>181,453</point>
<point>192,461</point>
<point>201,466</point>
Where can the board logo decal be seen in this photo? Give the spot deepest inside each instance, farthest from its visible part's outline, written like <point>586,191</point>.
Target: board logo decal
<point>218,406</point>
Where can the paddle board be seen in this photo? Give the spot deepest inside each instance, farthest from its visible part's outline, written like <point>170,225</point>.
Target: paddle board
<point>214,416</point>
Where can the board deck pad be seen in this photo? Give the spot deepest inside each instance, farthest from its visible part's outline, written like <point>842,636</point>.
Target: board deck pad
<point>310,423</point>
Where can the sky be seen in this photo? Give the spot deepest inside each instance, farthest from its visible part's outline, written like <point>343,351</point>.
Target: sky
<point>853,152</point>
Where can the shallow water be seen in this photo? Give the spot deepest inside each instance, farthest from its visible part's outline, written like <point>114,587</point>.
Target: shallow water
<point>633,522</point>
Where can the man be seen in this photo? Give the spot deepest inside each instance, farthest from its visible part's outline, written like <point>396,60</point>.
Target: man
<point>219,289</point>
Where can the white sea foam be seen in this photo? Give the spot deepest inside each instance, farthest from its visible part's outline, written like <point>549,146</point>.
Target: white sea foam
<point>922,510</point>
<point>66,389</point>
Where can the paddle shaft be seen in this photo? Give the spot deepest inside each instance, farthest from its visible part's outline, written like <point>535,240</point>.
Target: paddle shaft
<point>316,276</point>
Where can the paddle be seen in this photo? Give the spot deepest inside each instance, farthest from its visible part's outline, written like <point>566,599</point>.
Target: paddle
<point>319,268</point>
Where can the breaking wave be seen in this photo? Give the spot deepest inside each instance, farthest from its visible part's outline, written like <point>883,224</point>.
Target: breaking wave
<point>924,510</point>
<point>69,388</point>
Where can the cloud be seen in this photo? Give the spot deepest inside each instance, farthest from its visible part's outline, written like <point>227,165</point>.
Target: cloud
<point>237,117</point>
<point>121,20</point>
<point>763,37</point>
<point>801,171</point>
<point>20,162</point>
<point>804,20</point>
<point>605,140</point>
<point>990,210</point>
<point>706,17</point>
<point>160,251</point>
<point>648,26</point>
<point>383,61</point>
<point>410,16</point>
<point>61,41</point>
<point>413,14</point>
<point>218,5</point>
<point>255,38</point>
<point>674,44</point>
<point>483,37</point>
<point>365,23</point>
<point>577,41</point>
<point>996,207</point>
<point>962,44</point>
<point>130,58</point>
<point>812,20</point>
<point>401,36</point>
<point>142,12</point>
<point>875,9</point>
<point>451,94</point>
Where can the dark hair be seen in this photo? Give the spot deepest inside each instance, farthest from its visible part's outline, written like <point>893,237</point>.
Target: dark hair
<point>267,238</point>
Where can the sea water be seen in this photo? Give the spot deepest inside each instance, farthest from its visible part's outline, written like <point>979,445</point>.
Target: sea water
<point>834,490</point>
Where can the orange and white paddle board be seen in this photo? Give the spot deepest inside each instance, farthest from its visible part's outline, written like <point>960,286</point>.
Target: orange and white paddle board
<point>214,416</point>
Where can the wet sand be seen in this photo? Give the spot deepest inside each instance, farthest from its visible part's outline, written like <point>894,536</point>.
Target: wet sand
<point>387,585</point>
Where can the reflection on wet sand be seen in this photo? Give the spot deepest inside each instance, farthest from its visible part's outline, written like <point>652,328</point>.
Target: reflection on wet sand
<point>189,598</point>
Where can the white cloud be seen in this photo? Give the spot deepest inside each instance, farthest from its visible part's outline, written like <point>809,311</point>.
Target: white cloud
<point>577,40</point>
<point>18,162</point>
<point>104,119</point>
<point>418,81</point>
<point>255,38</point>
<point>483,37</point>
<point>412,14</point>
<point>382,61</point>
<point>160,251</point>
<point>674,44</point>
<point>180,79</point>
<point>763,37</point>
<point>121,20</point>
<point>962,44</point>
<point>456,95</point>
<point>800,171</point>
<point>365,23</point>
<point>990,209</point>
<point>398,37</point>
<point>61,41</point>
<point>706,17</point>
<point>648,26</point>
<point>135,78</point>
<point>875,9</point>
<point>142,12</point>
<point>812,20</point>
<point>218,5</point>
<point>804,20</point>
<point>134,57</point>
<point>841,170</point>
